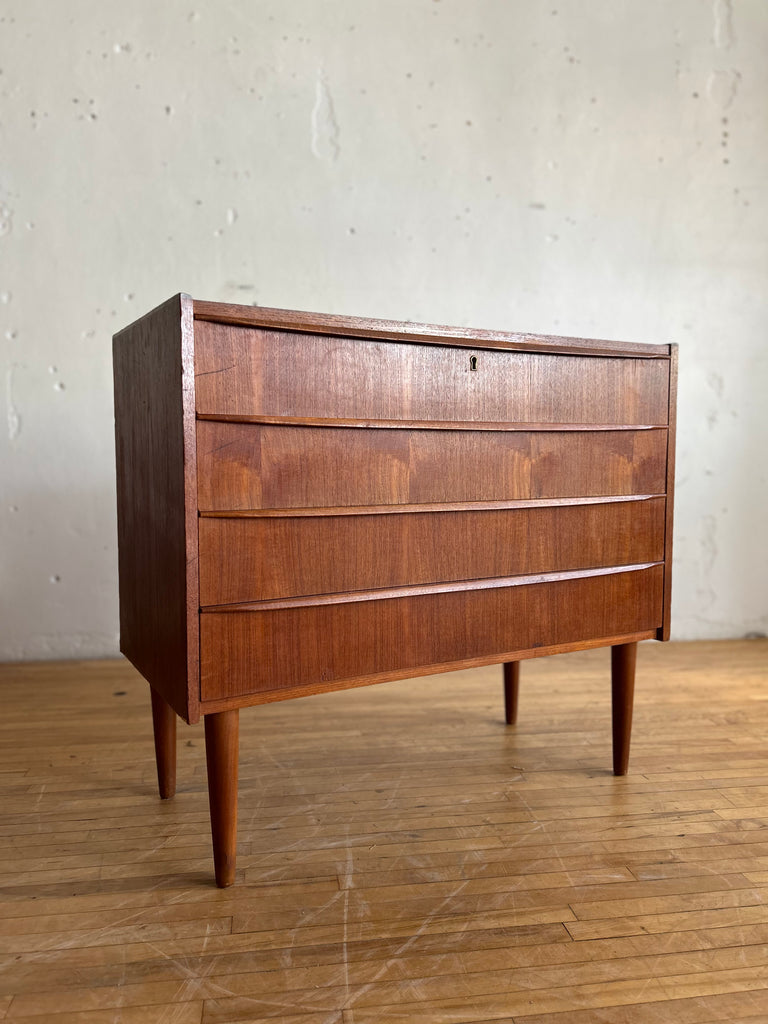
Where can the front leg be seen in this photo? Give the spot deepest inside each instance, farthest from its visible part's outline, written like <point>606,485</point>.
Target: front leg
<point>623,660</point>
<point>221,755</point>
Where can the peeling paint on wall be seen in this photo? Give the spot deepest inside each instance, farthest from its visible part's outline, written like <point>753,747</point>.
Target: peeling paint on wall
<point>12,413</point>
<point>715,381</point>
<point>722,16</point>
<point>6,220</point>
<point>722,87</point>
<point>324,126</point>
<point>708,542</point>
<point>708,555</point>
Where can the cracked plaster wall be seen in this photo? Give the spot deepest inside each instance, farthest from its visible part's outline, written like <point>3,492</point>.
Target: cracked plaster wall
<point>592,167</point>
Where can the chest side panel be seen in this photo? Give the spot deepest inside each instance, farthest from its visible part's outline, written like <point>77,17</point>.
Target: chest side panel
<point>156,514</point>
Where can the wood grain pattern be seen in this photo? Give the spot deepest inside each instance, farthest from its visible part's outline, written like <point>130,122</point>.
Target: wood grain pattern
<point>252,372</point>
<point>289,648</point>
<point>246,466</point>
<point>363,327</point>
<point>262,559</point>
<point>156,501</point>
<point>259,698</point>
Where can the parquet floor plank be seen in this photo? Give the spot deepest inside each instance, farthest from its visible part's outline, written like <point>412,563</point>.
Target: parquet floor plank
<point>403,855</point>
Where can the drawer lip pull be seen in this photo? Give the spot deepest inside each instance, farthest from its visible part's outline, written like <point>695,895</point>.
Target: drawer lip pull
<point>392,593</point>
<point>405,424</point>
<point>305,322</point>
<point>456,506</point>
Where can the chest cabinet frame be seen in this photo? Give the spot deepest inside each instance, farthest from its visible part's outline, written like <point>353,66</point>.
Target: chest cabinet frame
<point>308,503</point>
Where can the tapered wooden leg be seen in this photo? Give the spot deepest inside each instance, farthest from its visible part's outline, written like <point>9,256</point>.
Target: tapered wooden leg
<point>164,725</point>
<point>511,690</point>
<point>221,754</point>
<point>623,659</point>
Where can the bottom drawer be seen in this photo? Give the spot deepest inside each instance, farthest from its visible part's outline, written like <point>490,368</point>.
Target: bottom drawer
<point>257,651</point>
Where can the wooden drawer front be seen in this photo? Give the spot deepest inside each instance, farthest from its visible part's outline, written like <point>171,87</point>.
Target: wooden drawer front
<point>253,466</point>
<point>248,652</point>
<point>263,559</point>
<point>249,371</point>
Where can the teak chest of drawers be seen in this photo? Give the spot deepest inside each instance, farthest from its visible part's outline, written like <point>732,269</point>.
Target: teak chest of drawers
<point>308,503</point>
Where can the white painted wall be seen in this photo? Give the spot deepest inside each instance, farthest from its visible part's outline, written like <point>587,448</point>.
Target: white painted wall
<point>591,167</point>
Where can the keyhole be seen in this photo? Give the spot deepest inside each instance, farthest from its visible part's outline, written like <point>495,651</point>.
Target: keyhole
<point>473,362</point>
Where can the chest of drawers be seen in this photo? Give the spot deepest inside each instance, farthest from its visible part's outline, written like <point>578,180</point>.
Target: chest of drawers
<point>308,503</point>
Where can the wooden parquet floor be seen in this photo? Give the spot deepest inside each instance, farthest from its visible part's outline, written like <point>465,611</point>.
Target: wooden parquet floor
<point>403,856</point>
